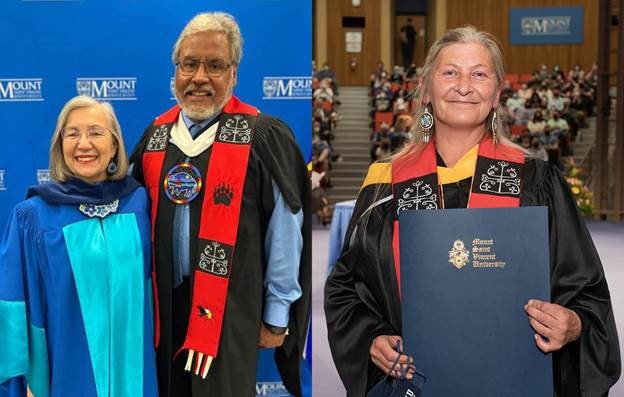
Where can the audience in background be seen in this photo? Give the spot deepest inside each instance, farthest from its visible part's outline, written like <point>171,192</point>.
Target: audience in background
<point>551,106</point>
<point>380,143</point>
<point>324,120</point>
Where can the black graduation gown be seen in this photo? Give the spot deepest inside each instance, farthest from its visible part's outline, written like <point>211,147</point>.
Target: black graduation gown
<point>362,300</point>
<point>274,155</point>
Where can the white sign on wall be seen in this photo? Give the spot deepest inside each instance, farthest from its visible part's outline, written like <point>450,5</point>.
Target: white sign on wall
<point>353,41</point>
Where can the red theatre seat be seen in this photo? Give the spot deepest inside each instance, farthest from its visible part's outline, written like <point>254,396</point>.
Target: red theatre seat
<point>512,78</point>
<point>525,78</point>
<point>328,106</point>
<point>383,117</point>
<point>516,129</point>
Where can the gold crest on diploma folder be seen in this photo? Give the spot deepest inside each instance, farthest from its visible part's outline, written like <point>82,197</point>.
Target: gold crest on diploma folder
<point>458,255</point>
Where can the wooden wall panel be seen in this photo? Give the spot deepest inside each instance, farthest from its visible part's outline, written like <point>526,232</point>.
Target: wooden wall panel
<point>319,30</point>
<point>337,56</point>
<point>493,16</point>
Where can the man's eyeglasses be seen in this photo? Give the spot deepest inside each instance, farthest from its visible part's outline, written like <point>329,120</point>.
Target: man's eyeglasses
<point>214,67</point>
<point>92,133</point>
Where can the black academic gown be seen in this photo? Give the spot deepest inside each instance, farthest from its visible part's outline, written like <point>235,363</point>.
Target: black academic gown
<point>274,156</point>
<point>362,299</point>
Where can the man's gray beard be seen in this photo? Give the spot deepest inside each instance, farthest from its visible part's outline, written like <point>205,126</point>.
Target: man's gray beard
<point>200,114</point>
<point>206,113</point>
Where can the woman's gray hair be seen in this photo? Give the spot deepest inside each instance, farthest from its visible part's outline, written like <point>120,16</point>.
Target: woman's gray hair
<point>464,35</point>
<point>59,171</point>
<point>213,22</point>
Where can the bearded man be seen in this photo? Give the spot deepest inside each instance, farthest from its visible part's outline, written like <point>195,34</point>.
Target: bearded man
<point>230,225</point>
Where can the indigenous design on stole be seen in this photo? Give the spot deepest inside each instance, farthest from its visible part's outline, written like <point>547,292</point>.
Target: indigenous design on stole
<point>158,140</point>
<point>183,183</point>
<point>497,182</point>
<point>227,167</point>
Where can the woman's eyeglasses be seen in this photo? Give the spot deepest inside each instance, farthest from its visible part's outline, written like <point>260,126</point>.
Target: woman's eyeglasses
<point>92,133</point>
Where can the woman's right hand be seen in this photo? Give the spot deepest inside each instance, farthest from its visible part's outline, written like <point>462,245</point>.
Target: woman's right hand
<point>383,354</point>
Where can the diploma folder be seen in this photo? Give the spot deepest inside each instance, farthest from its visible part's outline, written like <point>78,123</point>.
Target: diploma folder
<point>466,275</point>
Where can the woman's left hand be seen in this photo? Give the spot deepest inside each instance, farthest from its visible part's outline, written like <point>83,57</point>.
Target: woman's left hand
<point>555,325</point>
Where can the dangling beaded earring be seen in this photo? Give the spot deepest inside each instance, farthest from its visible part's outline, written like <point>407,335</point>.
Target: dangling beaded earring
<point>426,122</point>
<point>112,167</point>
<point>494,128</point>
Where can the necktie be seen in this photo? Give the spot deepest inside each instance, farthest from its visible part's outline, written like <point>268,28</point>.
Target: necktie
<point>195,129</point>
<point>181,230</point>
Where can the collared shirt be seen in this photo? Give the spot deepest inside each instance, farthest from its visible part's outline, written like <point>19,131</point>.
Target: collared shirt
<point>194,127</point>
<point>181,218</point>
<point>282,254</point>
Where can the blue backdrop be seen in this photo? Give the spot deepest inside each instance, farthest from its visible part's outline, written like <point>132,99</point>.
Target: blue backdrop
<point>120,51</point>
<point>546,25</point>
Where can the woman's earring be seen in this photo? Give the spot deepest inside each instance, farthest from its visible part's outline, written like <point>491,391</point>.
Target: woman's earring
<point>112,167</point>
<point>494,127</point>
<point>426,122</point>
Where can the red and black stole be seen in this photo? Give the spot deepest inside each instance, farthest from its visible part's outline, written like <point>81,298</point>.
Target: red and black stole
<point>497,182</point>
<point>216,245</point>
